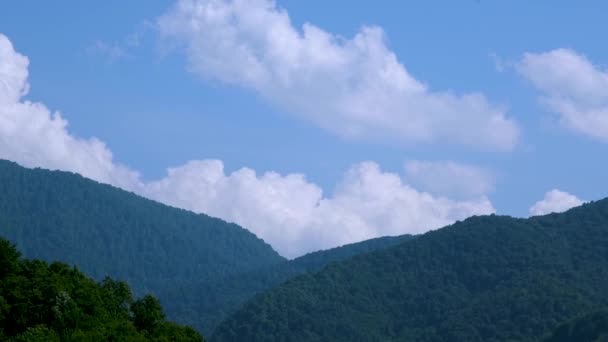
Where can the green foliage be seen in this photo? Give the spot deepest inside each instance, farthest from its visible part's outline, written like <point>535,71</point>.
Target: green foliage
<point>39,333</point>
<point>147,313</point>
<point>588,328</point>
<point>54,302</point>
<point>485,279</point>
<point>105,231</point>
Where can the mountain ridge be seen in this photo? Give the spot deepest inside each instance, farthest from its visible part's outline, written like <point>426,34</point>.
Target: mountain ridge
<point>106,231</point>
<point>487,278</point>
<point>200,267</point>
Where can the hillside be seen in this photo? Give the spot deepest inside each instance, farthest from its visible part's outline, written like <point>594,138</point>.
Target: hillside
<point>105,231</point>
<point>54,302</point>
<point>213,301</point>
<point>487,278</point>
<point>592,327</point>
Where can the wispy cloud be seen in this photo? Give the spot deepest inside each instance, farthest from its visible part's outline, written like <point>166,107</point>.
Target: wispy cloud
<point>111,51</point>
<point>450,178</point>
<point>117,50</point>
<point>573,87</point>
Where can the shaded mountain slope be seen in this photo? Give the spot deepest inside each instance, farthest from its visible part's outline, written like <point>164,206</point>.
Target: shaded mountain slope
<point>216,299</point>
<point>103,230</point>
<point>487,278</point>
<point>588,328</point>
<point>200,267</point>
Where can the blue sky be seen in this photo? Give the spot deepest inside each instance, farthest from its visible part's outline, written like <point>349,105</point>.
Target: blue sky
<point>115,74</point>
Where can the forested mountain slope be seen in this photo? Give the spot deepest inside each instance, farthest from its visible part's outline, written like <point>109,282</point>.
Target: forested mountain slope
<point>592,327</point>
<point>55,302</point>
<point>213,301</point>
<point>201,268</point>
<point>103,230</point>
<point>487,278</point>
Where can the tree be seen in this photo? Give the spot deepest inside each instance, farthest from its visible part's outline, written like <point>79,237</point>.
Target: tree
<point>118,297</point>
<point>147,313</point>
<point>9,255</point>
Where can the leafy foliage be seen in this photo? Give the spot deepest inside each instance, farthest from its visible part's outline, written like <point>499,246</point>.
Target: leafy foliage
<point>484,279</point>
<point>105,231</point>
<point>54,302</point>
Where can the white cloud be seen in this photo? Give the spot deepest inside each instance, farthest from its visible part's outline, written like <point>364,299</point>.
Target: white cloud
<point>555,201</point>
<point>450,178</point>
<point>293,215</point>
<point>32,135</point>
<point>287,211</point>
<point>571,86</point>
<point>353,87</point>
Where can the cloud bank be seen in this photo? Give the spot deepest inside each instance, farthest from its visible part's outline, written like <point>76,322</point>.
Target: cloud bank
<point>287,211</point>
<point>555,201</point>
<point>355,87</point>
<point>571,86</point>
<point>293,214</point>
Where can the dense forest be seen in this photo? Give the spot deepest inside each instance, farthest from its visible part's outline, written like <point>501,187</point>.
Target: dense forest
<point>213,301</point>
<point>486,278</point>
<point>55,302</point>
<point>105,231</point>
<point>201,268</point>
<point>591,327</point>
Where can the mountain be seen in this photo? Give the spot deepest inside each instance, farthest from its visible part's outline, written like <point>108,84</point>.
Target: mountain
<point>105,231</point>
<point>489,278</point>
<point>214,301</point>
<point>592,327</point>
<point>54,302</point>
<point>201,268</point>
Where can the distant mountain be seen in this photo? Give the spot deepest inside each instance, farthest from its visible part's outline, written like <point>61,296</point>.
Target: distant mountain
<point>487,278</point>
<point>588,328</point>
<point>103,230</point>
<point>212,301</point>
<point>55,302</point>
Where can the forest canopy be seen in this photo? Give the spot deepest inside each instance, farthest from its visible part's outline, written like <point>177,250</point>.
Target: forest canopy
<point>55,302</point>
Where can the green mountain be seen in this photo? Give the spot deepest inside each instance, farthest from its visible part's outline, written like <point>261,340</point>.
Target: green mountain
<point>201,268</point>
<point>214,301</point>
<point>487,278</point>
<point>54,302</point>
<point>588,328</point>
<point>105,231</point>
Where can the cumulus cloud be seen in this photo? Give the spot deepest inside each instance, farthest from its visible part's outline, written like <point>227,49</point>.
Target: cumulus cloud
<point>293,214</point>
<point>572,87</point>
<point>289,212</point>
<point>354,87</point>
<point>555,201</point>
<point>32,135</point>
<point>450,178</point>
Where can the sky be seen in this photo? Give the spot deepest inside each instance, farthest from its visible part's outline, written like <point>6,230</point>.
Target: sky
<point>315,124</point>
